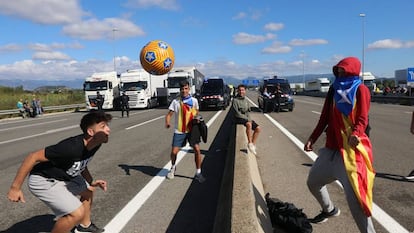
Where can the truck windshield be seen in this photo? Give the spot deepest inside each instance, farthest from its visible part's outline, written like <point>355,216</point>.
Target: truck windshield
<point>95,86</point>
<point>174,82</point>
<point>134,86</point>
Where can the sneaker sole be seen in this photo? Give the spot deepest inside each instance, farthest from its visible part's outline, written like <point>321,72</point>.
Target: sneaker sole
<point>326,219</point>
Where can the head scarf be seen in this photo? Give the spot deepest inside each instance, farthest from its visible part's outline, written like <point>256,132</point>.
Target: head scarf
<point>346,87</point>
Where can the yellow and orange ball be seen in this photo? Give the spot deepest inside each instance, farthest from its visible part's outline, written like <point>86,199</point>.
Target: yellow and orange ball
<point>157,57</point>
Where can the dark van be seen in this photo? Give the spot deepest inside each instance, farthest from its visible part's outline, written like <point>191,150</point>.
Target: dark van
<point>214,94</point>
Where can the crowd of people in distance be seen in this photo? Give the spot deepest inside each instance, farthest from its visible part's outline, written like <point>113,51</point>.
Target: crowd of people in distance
<point>30,109</point>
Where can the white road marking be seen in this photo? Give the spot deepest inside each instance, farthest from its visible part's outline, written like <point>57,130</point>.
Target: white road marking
<point>40,134</point>
<point>129,210</point>
<point>377,213</point>
<point>31,125</point>
<point>316,112</point>
<point>145,122</point>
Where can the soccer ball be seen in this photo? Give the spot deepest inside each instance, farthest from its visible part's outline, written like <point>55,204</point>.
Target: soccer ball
<point>157,57</point>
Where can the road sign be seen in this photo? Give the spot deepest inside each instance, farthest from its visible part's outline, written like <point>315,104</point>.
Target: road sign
<point>410,74</point>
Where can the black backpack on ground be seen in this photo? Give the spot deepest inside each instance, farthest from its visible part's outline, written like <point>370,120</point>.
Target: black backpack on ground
<point>287,216</point>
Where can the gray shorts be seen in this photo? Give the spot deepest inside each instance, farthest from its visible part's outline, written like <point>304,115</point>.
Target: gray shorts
<point>60,196</point>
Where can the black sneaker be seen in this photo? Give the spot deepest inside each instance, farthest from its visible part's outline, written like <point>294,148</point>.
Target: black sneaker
<point>92,228</point>
<point>323,216</point>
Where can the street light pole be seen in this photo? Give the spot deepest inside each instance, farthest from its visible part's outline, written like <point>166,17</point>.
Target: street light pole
<point>113,38</point>
<point>303,69</point>
<point>362,15</point>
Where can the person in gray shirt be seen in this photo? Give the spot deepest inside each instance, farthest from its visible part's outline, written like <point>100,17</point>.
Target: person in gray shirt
<point>241,109</point>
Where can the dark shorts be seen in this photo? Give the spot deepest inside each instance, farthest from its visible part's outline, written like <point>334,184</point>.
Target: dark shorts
<point>241,121</point>
<point>179,140</point>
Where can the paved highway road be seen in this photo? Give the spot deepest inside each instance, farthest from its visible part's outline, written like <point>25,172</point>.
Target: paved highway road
<point>137,155</point>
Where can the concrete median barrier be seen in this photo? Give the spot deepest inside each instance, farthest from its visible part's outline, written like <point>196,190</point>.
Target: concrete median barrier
<point>242,207</point>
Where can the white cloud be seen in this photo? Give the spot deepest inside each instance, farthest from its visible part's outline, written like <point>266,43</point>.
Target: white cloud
<point>274,26</point>
<point>245,38</point>
<point>94,29</point>
<point>302,42</point>
<point>277,47</point>
<point>391,44</point>
<point>164,4</point>
<point>43,11</point>
<point>54,46</point>
<point>52,55</point>
<point>240,15</point>
<point>12,47</point>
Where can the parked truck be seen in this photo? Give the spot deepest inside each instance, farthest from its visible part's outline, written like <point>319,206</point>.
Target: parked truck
<point>194,77</point>
<point>317,85</point>
<point>369,80</point>
<point>107,84</point>
<point>143,89</point>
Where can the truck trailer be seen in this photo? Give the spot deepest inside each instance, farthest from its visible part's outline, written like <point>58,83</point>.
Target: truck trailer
<point>194,77</point>
<point>143,89</point>
<point>369,80</point>
<point>107,84</point>
<point>317,85</point>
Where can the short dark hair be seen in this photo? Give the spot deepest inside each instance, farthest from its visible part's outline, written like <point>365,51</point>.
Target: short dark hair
<point>92,118</point>
<point>184,83</point>
<point>241,85</point>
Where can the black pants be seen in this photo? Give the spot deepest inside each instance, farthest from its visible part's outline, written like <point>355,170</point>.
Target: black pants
<point>125,108</point>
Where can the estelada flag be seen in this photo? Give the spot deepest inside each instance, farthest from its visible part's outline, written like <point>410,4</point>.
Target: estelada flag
<point>358,161</point>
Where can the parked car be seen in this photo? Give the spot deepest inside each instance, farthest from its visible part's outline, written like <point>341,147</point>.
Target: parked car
<point>270,103</point>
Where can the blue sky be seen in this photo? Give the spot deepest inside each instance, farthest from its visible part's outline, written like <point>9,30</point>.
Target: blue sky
<point>70,39</point>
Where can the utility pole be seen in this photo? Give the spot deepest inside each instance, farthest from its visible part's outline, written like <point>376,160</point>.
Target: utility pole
<point>362,15</point>
<point>113,38</point>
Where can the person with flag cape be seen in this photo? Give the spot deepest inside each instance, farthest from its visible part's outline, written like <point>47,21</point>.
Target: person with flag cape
<point>184,108</point>
<point>347,155</point>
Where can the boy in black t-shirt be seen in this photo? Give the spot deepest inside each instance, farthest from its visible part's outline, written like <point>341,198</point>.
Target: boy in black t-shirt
<point>59,174</point>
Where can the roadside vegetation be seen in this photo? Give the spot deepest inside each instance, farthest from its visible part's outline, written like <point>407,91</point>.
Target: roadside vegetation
<point>50,97</point>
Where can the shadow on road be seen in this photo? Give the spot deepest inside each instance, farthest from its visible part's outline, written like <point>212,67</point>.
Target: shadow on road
<point>392,177</point>
<point>197,210</point>
<point>41,223</point>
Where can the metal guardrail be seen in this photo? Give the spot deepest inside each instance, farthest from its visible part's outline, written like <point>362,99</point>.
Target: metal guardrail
<point>46,108</point>
<point>386,99</point>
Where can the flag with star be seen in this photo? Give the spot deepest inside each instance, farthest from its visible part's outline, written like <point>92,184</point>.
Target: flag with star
<point>358,161</point>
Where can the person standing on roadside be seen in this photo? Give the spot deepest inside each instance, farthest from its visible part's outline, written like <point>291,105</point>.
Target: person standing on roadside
<point>58,174</point>
<point>241,108</point>
<point>125,104</point>
<point>184,109</point>
<point>411,175</point>
<point>347,155</point>
<point>278,94</point>
<point>99,100</point>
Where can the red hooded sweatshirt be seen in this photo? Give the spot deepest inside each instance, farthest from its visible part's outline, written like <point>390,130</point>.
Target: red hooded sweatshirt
<point>359,116</point>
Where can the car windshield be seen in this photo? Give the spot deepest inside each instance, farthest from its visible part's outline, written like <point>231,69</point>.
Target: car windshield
<point>212,88</point>
<point>285,87</point>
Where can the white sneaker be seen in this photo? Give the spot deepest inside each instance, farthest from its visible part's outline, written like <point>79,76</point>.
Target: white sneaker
<point>410,176</point>
<point>170,174</point>
<point>252,148</point>
<point>200,178</point>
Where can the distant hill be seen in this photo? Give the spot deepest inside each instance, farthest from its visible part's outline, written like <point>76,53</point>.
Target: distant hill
<point>292,79</point>
<point>33,84</point>
<point>44,89</point>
